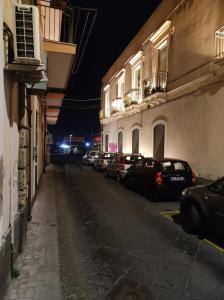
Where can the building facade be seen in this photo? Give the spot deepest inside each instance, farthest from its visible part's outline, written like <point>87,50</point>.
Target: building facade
<point>163,96</point>
<point>32,84</point>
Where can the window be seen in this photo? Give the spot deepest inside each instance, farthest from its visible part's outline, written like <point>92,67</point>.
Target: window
<point>162,57</point>
<point>107,104</point>
<point>106,142</point>
<point>135,141</point>
<point>219,43</point>
<point>136,80</point>
<point>158,143</point>
<point>120,87</point>
<point>120,142</point>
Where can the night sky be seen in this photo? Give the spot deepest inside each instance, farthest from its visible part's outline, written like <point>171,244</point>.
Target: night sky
<point>116,24</point>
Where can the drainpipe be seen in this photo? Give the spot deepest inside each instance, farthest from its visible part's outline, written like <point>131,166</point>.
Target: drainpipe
<point>45,133</point>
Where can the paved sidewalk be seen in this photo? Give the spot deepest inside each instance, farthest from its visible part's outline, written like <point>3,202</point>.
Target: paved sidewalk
<point>39,263</point>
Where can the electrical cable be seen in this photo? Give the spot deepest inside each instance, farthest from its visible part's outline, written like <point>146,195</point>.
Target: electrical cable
<point>82,100</point>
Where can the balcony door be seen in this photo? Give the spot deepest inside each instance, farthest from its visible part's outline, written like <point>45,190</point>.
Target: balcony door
<point>162,57</point>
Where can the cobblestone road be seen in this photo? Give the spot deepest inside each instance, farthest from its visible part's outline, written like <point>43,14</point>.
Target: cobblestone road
<point>111,243</point>
<point>114,244</point>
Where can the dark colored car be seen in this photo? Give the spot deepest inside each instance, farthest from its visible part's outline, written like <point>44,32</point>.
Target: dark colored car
<point>103,160</point>
<point>119,163</point>
<point>202,207</point>
<point>162,178</point>
<point>58,153</point>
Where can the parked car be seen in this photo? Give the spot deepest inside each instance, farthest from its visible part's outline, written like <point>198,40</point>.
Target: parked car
<point>118,165</point>
<point>102,161</point>
<point>202,207</point>
<point>160,178</point>
<point>58,153</point>
<point>89,158</point>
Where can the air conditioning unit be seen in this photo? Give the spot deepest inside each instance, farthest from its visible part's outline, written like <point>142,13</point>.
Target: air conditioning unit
<point>27,35</point>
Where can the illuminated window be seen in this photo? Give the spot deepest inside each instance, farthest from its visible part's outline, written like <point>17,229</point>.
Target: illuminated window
<point>162,56</point>
<point>219,43</point>
<point>135,141</point>
<point>107,104</point>
<point>120,87</point>
<point>136,77</point>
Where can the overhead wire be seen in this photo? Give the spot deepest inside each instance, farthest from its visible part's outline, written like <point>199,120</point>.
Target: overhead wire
<point>81,100</point>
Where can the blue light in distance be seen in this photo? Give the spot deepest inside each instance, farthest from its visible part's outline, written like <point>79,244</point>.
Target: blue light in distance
<point>87,144</point>
<point>64,146</point>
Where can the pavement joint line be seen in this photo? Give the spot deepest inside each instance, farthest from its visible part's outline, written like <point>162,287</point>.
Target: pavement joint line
<point>168,215</point>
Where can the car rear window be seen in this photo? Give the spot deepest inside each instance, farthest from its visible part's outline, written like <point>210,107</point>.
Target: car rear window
<point>130,159</point>
<point>106,155</point>
<point>174,166</point>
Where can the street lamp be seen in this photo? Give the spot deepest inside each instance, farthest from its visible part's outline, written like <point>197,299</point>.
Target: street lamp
<point>70,139</point>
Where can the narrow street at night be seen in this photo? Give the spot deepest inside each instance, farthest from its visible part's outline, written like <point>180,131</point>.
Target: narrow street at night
<point>115,244</point>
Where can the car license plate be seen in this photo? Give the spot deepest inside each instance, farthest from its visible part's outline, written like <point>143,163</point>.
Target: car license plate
<point>177,178</point>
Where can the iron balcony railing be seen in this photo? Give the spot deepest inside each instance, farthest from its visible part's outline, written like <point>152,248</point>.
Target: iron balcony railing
<point>133,96</point>
<point>219,57</point>
<point>156,82</point>
<point>117,105</point>
<point>56,21</point>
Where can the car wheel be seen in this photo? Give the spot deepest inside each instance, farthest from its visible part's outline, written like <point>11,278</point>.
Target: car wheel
<point>195,222</point>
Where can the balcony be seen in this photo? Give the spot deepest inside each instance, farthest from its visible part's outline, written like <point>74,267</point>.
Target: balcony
<point>156,82</point>
<point>219,58</point>
<point>57,26</point>
<point>117,105</point>
<point>133,96</point>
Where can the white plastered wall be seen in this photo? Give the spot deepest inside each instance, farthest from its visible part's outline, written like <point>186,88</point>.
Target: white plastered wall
<point>1,119</point>
<point>10,136</point>
<point>194,130</point>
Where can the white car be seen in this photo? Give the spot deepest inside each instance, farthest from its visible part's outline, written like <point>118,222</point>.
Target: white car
<point>89,158</point>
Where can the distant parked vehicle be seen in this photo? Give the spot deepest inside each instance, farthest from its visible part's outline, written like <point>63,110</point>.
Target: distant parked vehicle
<point>58,153</point>
<point>161,178</point>
<point>89,158</point>
<point>102,161</point>
<point>118,165</point>
<point>202,207</point>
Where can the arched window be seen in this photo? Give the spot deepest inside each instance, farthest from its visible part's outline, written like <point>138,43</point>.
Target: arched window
<point>159,140</point>
<point>106,142</point>
<point>135,141</point>
<point>120,142</point>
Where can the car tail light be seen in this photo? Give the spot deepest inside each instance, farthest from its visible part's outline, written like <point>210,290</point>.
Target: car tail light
<point>122,160</point>
<point>158,178</point>
<point>193,177</point>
